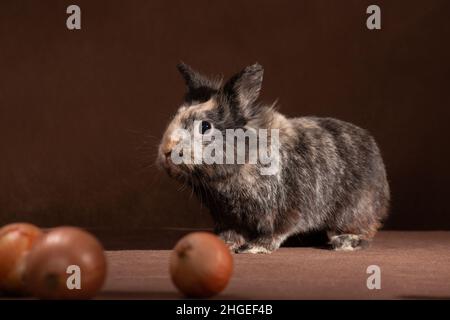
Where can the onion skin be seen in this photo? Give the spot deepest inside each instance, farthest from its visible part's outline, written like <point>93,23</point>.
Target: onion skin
<point>201,265</point>
<point>46,266</point>
<point>16,241</point>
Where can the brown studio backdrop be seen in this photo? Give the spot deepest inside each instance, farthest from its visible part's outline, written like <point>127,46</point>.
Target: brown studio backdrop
<point>81,112</point>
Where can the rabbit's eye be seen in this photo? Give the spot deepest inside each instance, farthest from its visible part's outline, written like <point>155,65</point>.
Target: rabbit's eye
<point>205,126</point>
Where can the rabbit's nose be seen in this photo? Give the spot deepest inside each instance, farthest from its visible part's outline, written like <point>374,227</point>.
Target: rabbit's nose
<point>167,154</point>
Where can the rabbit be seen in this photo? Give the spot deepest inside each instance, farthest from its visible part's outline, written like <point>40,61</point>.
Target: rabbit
<point>331,175</point>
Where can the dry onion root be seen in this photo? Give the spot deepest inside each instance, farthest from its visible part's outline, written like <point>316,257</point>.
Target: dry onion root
<point>16,241</point>
<point>47,272</point>
<point>201,265</point>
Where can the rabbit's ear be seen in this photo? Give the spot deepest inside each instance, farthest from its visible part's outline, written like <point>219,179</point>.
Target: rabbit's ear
<point>246,85</point>
<point>192,78</point>
<point>199,87</point>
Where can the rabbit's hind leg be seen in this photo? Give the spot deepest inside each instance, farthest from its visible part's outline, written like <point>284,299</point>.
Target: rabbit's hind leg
<point>353,237</point>
<point>356,226</point>
<point>348,242</point>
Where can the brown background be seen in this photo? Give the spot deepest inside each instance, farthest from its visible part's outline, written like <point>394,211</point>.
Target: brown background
<point>81,112</point>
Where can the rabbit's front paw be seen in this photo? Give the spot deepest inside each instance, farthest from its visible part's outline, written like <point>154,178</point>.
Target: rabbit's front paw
<point>232,239</point>
<point>252,249</point>
<point>266,244</point>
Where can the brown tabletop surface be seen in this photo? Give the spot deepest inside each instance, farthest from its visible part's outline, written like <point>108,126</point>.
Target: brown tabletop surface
<point>414,265</point>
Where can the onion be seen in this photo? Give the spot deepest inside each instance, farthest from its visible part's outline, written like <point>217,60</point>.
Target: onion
<point>16,240</point>
<point>49,270</point>
<point>201,265</point>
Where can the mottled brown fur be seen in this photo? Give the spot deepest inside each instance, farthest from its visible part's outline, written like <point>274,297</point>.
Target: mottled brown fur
<point>331,176</point>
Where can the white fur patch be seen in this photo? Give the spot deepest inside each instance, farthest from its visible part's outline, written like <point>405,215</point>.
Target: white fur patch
<point>256,250</point>
<point>345,242</point>
<point>345,247</point>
